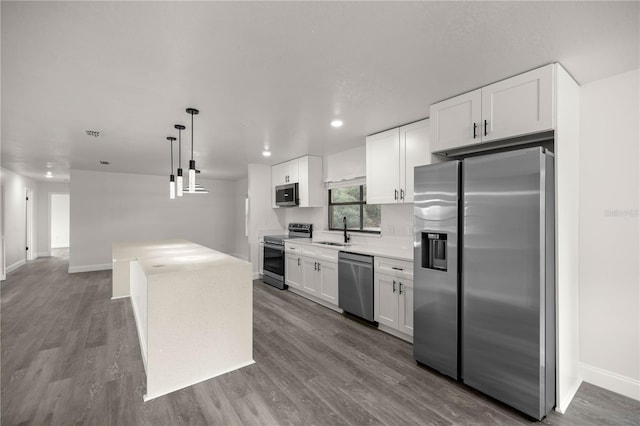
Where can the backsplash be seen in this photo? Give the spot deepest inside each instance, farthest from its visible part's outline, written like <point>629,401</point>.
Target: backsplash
<point>397,225</point>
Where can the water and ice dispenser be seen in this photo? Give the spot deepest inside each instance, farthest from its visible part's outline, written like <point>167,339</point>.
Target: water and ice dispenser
<point>434,251</point>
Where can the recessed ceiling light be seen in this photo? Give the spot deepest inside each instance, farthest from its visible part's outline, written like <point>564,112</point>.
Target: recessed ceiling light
<point>94,133</point>
<point>49,175</point>
<point>104,163</point>
<point>266,153</point>
<point>336,123</point>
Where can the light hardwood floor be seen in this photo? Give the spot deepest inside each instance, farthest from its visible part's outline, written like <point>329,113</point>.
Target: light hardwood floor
<point>70,355</point>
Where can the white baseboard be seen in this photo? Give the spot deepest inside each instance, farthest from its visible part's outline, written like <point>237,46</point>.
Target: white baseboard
<point>611,381</point>
<point>43,254</point>
<point>63,245</point>
<point>256,276</point>
<point>89,268</point>
<point>15,266</point>
<point>564,400</point>
<point>120,297</point>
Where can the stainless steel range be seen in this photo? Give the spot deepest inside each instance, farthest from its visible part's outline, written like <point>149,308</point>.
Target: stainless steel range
<point>274,253</point>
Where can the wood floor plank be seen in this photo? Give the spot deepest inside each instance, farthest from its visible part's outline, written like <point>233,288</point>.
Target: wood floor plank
<point>70,356</point>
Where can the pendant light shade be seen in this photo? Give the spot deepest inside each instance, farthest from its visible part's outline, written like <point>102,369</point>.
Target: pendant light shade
<point>172,178</point>
<point>179,182</point>
<point>192,162</point>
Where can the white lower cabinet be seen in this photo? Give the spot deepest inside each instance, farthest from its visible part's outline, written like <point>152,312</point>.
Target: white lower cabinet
<point>385,300</point>
<point>329,282</point>
<point>310,276</point>
<point>293,270</point>
<point>393,297</point>
<point>312,272</point>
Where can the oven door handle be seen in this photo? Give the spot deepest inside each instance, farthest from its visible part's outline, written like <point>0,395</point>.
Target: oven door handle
<point>274,246</point>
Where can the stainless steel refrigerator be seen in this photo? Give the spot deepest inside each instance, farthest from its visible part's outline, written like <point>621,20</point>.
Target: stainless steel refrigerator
<point>484,275</point>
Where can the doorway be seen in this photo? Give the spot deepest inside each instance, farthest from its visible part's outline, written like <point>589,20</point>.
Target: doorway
<point>59,226</point>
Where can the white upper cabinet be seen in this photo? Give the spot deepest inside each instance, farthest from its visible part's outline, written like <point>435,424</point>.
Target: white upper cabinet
<point>284,173</point>
<point>383,167</point>
<point>455,121</point>
<point>414,138</point>
<point>307,173</point>
<point>391,157</point>
<point>517,106</point>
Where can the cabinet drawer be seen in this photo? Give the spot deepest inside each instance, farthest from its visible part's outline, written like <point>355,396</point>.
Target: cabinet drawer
<point>292,248</point>
<point>328,255</point>
<point>394,267</point>
<point>320,253</point>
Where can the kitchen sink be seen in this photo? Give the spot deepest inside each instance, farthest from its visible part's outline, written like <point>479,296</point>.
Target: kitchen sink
<point>331,243</point>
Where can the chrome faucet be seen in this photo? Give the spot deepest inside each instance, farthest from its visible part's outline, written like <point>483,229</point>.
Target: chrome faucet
<point>346,236</point>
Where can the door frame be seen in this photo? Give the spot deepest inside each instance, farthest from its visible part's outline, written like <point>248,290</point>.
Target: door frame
<point>30,253</point>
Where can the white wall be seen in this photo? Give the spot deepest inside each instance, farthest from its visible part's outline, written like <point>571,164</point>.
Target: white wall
<point>43,215</point>
<point>13,189</point>
<point>59,207</point>
<point>240,241</point>
<point>110,207</point>
<point>609,291</point>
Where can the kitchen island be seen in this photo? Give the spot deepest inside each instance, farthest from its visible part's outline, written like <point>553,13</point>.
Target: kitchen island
<point>193,308</point>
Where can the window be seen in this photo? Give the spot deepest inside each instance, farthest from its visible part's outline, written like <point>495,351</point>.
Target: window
<point>351,202</point>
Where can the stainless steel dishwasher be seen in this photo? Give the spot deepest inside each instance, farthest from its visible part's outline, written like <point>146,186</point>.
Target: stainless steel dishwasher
<point>355,284</point>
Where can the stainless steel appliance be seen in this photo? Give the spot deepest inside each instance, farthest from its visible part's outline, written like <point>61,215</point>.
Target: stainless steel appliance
<point>273,257</point>
<point>484,268</point>
<point>355,284</point>
<point>287,195</point>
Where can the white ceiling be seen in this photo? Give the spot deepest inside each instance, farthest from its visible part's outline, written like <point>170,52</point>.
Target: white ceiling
<point>273,73</point>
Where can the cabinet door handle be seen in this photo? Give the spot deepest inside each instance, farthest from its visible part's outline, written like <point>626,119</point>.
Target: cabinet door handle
<point>402,194</point>
<point>395,194</point>
<point>394,286</point>
<point>318,266</point>
<point>397,269</point>
<point>400,290</point>
<point>315,266</point>
<point>298,261</point>
<point>485,127</point>
<point>475,126</point>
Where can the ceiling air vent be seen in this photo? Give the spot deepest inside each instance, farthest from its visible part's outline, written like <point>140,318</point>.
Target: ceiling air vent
<point>94,133</point>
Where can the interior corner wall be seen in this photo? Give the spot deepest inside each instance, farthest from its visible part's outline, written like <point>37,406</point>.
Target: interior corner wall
<point>13,216</point>
<point>263,219</point>
<point>112,207</point>
<point>240,241</point>
<point>609,302</point>
<point>43,215</point>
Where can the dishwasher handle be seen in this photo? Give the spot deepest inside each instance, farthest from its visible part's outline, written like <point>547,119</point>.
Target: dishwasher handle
<point>353,258</point>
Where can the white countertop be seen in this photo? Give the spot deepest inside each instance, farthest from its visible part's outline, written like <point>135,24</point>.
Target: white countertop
<point>395,252</point>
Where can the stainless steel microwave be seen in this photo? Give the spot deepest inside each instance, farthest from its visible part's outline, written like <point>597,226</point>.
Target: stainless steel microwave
<point>287,195</point>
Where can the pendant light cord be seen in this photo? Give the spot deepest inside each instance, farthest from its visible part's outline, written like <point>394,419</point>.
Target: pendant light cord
<point>171,157</point>
<point>192,136</point>
<point>179,149</point>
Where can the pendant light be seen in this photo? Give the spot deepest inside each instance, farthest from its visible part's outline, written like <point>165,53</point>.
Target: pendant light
<point>192,162</point>
<point>179,182</point>
<point>172,178</point>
